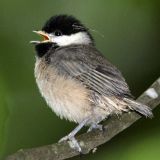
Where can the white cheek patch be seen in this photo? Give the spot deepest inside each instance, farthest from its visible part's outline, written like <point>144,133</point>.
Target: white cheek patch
<point>76,38</point>
<point>151,92</point>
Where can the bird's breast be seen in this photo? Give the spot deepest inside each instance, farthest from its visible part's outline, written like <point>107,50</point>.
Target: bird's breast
<point>65,96</point>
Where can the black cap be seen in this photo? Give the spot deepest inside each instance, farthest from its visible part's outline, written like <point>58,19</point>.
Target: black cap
<point>66,24</point>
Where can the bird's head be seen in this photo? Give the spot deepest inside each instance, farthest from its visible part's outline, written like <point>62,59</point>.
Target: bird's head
<point>62,30</point>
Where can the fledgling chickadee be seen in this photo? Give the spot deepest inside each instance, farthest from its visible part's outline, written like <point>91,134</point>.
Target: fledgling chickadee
<point>76,80</point>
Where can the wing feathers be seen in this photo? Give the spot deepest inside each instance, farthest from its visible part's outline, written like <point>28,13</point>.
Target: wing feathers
<point>105,84</point>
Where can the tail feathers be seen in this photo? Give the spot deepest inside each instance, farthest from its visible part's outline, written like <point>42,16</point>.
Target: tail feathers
<point>139,107</point>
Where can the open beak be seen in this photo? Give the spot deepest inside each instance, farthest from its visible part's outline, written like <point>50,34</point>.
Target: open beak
<point>44,35</point>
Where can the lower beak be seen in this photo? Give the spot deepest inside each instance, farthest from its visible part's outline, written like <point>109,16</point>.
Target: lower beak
<point>45,36</point>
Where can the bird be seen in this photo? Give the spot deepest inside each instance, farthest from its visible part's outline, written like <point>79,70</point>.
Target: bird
<point>76,80</point>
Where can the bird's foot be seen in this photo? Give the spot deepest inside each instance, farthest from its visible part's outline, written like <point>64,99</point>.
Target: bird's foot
<point>72,142</point>
<point>95,126</point>
<point>71,136</point>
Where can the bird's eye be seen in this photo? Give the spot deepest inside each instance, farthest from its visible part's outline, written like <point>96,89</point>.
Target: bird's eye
<point>57,33</point>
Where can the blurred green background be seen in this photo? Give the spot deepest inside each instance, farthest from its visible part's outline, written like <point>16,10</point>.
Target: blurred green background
<point>131,30</point>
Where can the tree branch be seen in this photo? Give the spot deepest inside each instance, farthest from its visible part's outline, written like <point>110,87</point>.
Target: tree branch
<point>89,141</point>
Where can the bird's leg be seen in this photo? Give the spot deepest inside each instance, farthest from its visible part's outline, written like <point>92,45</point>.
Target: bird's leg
<point>95,126</point>
<point>74,143</point>
<point>74,132</point>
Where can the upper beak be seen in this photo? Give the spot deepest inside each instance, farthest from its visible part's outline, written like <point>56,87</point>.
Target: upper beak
<point>46,37</point>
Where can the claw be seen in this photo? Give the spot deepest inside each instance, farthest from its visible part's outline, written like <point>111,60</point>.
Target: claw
<point>95,126</point>
<point>63,139</point>
<point>73,143</point>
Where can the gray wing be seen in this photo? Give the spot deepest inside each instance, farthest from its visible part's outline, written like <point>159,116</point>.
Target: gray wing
<point>99,79</point>
<point>87,65</point>
<point>92,69</point>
